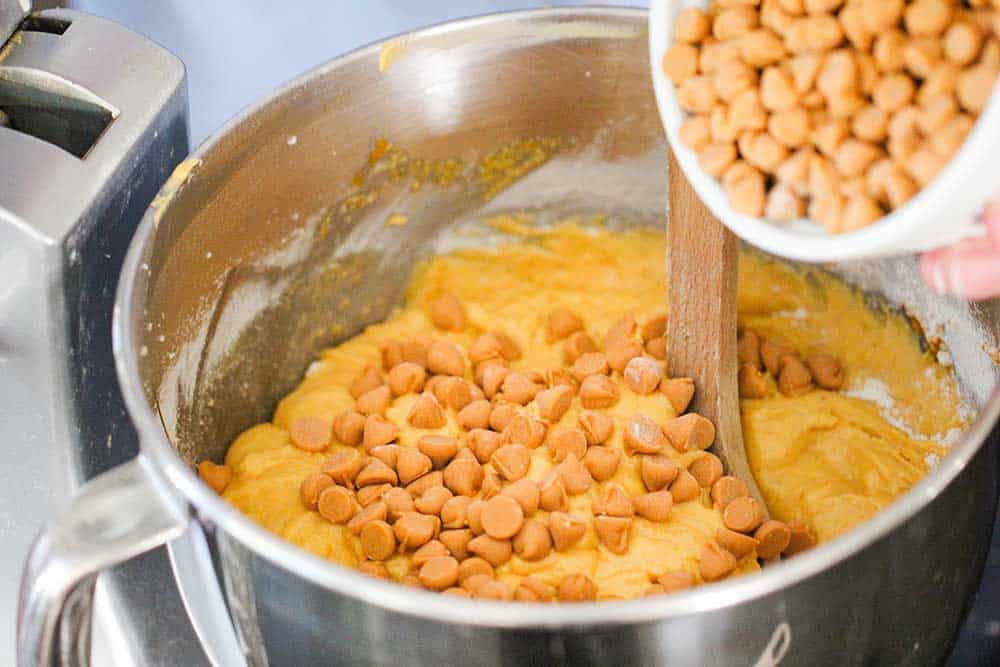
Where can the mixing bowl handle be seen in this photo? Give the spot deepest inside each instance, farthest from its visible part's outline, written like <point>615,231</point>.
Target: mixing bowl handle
<point>114,517</point>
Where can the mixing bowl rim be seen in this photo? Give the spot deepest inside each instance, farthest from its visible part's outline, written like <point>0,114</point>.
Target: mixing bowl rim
<point>213,510</point>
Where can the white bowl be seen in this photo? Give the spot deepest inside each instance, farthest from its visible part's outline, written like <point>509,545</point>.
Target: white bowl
<point>943,212</point>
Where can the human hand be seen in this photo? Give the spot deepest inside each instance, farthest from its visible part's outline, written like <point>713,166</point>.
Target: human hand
<point>969,269</point>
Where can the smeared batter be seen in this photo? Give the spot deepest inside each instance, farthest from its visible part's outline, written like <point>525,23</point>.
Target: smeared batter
<point>825,458</point>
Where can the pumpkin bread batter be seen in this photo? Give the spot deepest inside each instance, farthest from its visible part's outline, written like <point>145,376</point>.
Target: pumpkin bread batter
<point>509,432</point>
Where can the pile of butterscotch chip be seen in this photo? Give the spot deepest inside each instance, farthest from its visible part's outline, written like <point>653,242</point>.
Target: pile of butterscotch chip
<point>837,110</point>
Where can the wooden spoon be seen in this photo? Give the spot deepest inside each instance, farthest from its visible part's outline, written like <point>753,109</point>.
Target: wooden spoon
<point>702,257</point>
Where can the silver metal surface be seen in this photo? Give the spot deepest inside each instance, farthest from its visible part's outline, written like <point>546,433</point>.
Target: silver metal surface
<point>237,277</point>
<point>12,12</point>
<point>65,224</point>
<point>117,516</point>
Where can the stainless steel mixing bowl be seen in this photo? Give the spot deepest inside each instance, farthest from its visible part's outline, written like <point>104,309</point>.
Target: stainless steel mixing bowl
<point>271,241</point>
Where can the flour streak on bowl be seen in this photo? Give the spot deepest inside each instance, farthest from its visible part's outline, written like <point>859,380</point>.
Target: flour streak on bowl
<point>943,212</point>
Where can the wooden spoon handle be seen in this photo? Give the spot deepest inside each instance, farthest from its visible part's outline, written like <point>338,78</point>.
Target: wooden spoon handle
<point>702,259</point>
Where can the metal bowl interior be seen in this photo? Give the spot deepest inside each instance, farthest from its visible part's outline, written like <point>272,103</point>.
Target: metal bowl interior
<point>272,242</point>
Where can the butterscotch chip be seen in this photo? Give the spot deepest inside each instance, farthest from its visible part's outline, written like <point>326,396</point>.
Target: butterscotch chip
<point>518,388</point>
<point>374,402</point>
<point>474,516</point>
<point>684,488</point>
<point>714,562</point>
<point>728,489</point>
<point>392,354</point>
<point>794,379</point>
<point>491,378</point>
<point>511,461</point>
<point>435,386</point>
<point>657,348</point>
<point>387,454</point>
<point>509,348</point>
<point>566,530</point>
<point>457,592</point>
<point>743,514</point>
<point>473,583</point>
<point>654,506</point>
<point>445,359</point>
<point>532,589</point>
<point>417,487</point>
<point>561,323</point>
<point>612,531</point>
<point>491,484</point>
<point>398,502</point>
<point>487,346</point>
<point>475,415</point>
<point>590,363</point>
<point>576,588</point>
<point>432,500</point>
<point>575,476</point>
<point>613,501</point>
<point>562,442</point>
<point>411,464</point>
<point>349,428</point>
<point>800,538</point>
<point>653,328</point>
<point>523,430</point>
<point>602,462</point>
<point>483,443</point>
<point>378,431</point>
<point>552,494</point>
<point>440,449</point>
<point>643,375</point>
<point>439,573</point>
<point>453,511</point>
<point>426,412</point>
<point>311,487</point>
<point>457,542</point>
<point>690,432</point>
<point>676,580</point>
<point>370,494</point>
<point>577,345</point>
<point>415,350</point>
<point>642,434</point>
<point>533,542</point>
<point>502,517</point>
<point>457,393</point>
<point>464,477</point>
<point>748,348</point>
<point>494,551</point>
<point>597,427</point>
<point>826,371</point>
<point>558,377</point>
<point>474,567</point>
<point>310,433</point>
<point>432,549</point>
<point>707,469</point>
<point>738,544</point>
<point>772,538</point>
<point>411,580</point>
<point>553,403</point>
<point>374,569</point>
<point>679,391</point>
<point>447,312</point>
<point>525,492</point>
<point>598,391</point>
<point>623,329</point>
<point>367,379</point>
<point>413,530</point>
<point>771,353</point>
<point>378,542</point>
<point>375,472</point>
<point>494,590</point>
<point>658,472</point>
<point>621,352</point>
<point>751,382</point>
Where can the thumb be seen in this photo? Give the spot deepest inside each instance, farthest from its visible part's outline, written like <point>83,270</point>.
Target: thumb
<point>970,270</point>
